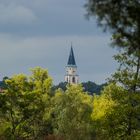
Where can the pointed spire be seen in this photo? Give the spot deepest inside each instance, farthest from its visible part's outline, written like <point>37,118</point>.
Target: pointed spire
<point>71,60</point>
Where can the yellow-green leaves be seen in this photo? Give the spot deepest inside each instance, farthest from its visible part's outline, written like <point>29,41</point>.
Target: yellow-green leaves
<point>102,105</point>
<point>26,103</point>
<point>116,108</point>
<point>41,81</point>
<point>72,111</point>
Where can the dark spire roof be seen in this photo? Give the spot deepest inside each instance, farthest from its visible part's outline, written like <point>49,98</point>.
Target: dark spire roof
<point>71,60</point>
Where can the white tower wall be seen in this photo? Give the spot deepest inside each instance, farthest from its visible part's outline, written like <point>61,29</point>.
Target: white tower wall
<point>71,76</point>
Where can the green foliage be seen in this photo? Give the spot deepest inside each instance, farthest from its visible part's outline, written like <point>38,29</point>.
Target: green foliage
<point>24,105</point>
<point>71,112</point>
<point>61,85</point>
<point>3,84</point>
<point>93,88</point>
<point>113,111</point>
<point>29,110</point>
<point>128,73</point>
<point>121,17</point>
<point>118,107</point>
<point>122,103</point>
<point>89,87</point>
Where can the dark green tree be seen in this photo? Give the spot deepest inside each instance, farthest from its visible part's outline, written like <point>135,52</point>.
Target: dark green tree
<point>119,104</point>
<point>2,83</point>
<point>61,85</point>
<point>89,87</point>
<point>93,88</point>
<point>119,16</point>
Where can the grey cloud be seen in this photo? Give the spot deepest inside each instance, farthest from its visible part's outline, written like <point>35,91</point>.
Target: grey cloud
<point>39,33</point>
<point>52,53</point>
<point>16,14</point>
<point>46,17</point>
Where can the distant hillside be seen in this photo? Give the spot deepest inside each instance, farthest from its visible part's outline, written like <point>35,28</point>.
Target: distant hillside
<point>2,83</point>
<point>90,87</point>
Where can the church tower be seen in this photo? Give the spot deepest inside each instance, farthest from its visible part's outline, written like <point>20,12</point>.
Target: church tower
<point>71,76</point>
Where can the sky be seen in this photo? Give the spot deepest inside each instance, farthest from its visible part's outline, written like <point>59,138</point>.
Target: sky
<point>39,33</point>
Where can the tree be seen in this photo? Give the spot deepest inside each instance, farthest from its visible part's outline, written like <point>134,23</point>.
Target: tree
<point>25,105</point>
<point>128,72</point>
<point>93,88</point>
<point>119,103</point>
<point>61,85</point>
<point>2,83</point>
<point>71,112</point>
<point>89,87</point>
<point>121,17</point>
<point>111,114</point>
<point>128,77</point>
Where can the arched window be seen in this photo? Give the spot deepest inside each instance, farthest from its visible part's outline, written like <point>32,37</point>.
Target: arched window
<point>73,79</point>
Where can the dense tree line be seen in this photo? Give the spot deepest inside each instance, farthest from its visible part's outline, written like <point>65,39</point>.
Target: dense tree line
<point>121,17</point>
<point>89,87</point>
<point>31,110</point>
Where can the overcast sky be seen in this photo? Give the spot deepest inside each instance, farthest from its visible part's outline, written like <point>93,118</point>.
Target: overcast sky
<point>40,32</point>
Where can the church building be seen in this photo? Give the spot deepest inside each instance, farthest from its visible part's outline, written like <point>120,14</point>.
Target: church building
<point>71,76</point>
